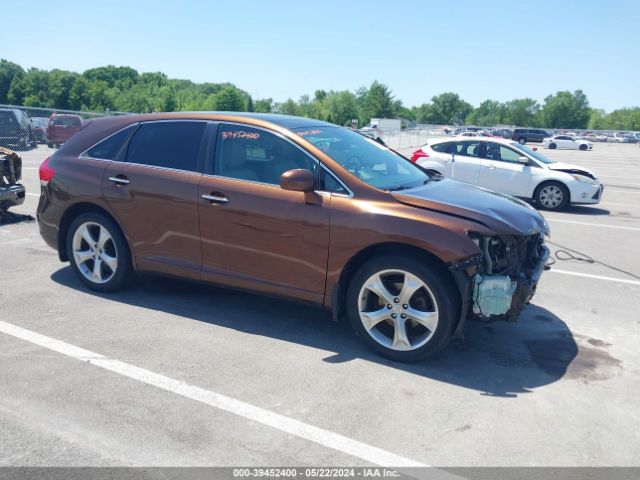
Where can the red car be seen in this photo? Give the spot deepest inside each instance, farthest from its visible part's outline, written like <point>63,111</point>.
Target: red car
<point>61,128</point>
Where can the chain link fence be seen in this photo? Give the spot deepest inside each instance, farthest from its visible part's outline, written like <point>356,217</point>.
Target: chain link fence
<point>23,128</point>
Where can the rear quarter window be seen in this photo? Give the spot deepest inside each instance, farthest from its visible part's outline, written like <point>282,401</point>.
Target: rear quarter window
<point>444,147</point>
<point>110,146</point>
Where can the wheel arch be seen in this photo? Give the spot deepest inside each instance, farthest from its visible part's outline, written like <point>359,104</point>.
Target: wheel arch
<point>339,293</point>
<point>549,180</point>
<point>72,213</point>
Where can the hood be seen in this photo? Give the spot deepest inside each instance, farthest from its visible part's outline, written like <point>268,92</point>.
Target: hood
<point>570,168</point>
<point>501,213</point>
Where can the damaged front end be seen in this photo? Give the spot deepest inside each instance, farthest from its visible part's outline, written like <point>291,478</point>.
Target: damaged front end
<point>12,193</point>
<point>499,282</point>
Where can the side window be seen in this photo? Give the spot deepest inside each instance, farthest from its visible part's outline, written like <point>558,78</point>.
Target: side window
<point>444,147</point>
<point>167,144</point>
<point>441,147</point>
<point>501,153</point>
<point>110,146</point>
<point>468,149</point>
<point>328,183</point>
<point>247,153</point>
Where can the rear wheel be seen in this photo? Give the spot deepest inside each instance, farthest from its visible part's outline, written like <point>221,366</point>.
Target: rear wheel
<point>404,309</point>
<point>98,252</point>
<point>552,196</point>
<point>522,141</point>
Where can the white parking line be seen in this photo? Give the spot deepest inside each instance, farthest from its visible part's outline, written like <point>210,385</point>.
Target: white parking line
<point>592,224</point>
<point>33,194</point>
<point>598,277</point>
<point>620,191</point>
<point>285,424</point>
<point>620,204</point>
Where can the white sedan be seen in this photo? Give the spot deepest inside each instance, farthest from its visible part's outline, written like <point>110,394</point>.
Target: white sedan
<point>508,167</point>
<point>566,142</point>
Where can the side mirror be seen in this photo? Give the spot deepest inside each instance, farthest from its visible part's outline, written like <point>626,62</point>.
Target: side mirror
<point>298,180</point>
<point>523,160</point>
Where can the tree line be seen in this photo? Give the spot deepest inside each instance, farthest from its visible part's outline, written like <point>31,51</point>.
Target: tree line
<point>124,89</point>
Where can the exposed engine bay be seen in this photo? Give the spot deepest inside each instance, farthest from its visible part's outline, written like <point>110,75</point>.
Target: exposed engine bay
<point>501,280</point>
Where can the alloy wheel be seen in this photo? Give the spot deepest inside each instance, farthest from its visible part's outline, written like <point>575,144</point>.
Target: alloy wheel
<point>94,252</point>
<point>398,310</point>
<point>551,196</point>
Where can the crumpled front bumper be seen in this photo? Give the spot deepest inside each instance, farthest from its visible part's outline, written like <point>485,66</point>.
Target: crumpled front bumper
<point>11,196</point>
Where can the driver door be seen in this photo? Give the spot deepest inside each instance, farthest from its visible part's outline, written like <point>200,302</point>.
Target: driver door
<point>256,235</point>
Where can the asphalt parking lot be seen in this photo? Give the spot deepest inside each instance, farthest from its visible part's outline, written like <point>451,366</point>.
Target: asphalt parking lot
<point>559,388</point>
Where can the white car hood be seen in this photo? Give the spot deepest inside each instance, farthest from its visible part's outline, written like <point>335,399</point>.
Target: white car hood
<point>570,168</point>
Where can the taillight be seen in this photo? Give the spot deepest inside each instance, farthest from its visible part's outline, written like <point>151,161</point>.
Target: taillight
<point>418,154</point>
<point>46,172</point>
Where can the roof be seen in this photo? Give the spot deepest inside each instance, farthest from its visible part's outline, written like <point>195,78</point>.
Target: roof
<point>464,138</point>
<point>285,121</point>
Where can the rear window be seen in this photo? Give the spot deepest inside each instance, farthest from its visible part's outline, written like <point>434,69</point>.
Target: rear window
<point>167,144</point>
<point>110,146</point>
<point>66,121</point>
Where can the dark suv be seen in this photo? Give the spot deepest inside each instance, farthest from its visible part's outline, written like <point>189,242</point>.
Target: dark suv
<point>524,135</point>
<point>293,207</point>
<point>15,129</point>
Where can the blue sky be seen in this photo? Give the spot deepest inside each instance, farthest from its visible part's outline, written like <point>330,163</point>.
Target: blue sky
<point>480,48</point>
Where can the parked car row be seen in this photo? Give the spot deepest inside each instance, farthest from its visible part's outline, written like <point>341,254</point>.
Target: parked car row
<point>20,132</point>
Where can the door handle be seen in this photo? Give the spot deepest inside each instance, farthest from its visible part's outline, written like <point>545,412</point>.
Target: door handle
<point>215,198</point>
<point>120,180</point>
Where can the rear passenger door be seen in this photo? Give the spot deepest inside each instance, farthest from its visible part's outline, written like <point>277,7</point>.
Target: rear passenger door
<point>152,189</point>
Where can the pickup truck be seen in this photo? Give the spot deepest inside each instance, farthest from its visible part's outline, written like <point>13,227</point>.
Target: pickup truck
<point>12,193</point>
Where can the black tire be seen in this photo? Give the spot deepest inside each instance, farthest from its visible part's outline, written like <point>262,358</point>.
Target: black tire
<point>50,145</point>
<point>583,147</point>
<point>566,198</point>
<point>552,146</point>
<point>442,290</point>
<point>123,272</point>
<point>522,140</point>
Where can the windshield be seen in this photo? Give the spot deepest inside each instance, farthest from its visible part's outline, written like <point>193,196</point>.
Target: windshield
<point>533,153</point>
<point>371,162</point>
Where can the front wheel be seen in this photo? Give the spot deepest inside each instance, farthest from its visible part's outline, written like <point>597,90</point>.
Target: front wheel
<point>404,309</point>
<point>98,252</point>
<point>553,146</point>
<point>552,196</point>
<point>522,141</point>
<point>583,147</point>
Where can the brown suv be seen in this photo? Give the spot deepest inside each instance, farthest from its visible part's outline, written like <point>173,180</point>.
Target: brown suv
<point>296,208</point>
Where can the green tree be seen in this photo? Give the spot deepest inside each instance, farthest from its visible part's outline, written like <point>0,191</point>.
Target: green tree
<point>9,72</point>
<point>488,113</point>
<point>521,112</point>
<point>229,99</point>
<point>264,105</point>
<point>566,110</point>
<point>445,109</point>
<point>339,107</point>
<point>376,102</point>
